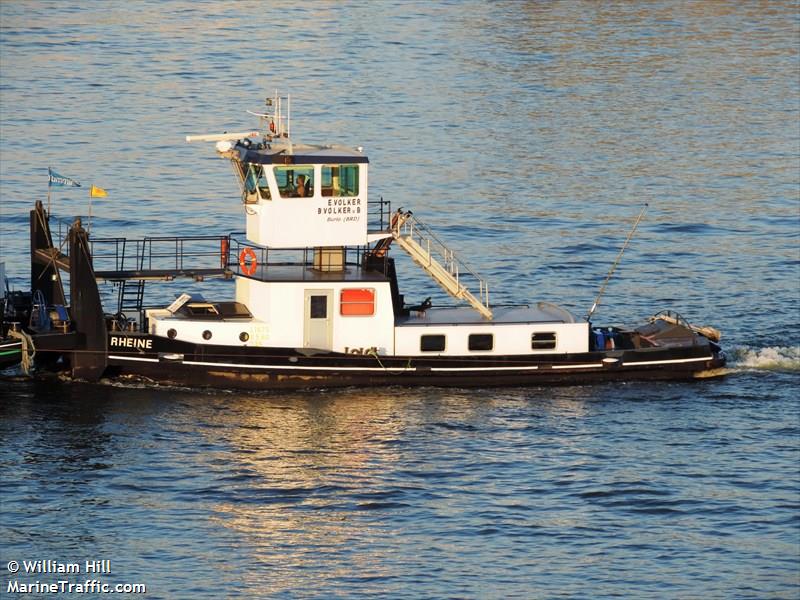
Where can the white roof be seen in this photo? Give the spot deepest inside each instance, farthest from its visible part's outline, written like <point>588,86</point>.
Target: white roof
<point>542,312</point>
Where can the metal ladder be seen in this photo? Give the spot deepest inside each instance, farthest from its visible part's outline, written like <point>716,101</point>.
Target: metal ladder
<point>131,291</point>
<point>131,295</point>
<point>439,261</point>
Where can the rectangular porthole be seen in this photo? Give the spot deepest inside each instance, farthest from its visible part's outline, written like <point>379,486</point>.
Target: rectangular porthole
<point>357,303</point>
<point>543,341</point>
<point>432,343</point>
<point>481,341</point>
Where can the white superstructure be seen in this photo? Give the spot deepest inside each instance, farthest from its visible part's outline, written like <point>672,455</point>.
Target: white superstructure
<point>311,275</point>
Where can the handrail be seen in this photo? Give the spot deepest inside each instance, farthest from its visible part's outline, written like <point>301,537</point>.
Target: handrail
<point>380,210</point>
<point>411,226</point>
<point>156,253</point>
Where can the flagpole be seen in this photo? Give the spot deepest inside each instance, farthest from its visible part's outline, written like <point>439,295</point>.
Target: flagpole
<point>49,182</point>
<point>97,192</point>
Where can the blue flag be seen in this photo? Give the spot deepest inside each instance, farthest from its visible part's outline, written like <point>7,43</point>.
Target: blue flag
<point>56,179</point>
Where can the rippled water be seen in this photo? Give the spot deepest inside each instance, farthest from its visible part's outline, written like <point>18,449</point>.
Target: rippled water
<point>527,135</point>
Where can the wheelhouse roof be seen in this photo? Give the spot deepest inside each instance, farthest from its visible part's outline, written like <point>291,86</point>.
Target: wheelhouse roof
<point>297,154</point>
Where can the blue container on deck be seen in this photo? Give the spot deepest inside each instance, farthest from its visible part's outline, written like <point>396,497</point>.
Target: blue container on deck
<point>599,339</point>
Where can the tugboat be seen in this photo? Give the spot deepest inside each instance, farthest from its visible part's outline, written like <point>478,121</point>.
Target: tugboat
<point>317,301</point>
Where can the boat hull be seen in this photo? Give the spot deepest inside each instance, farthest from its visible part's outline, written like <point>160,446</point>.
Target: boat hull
<point>180,363</point>
<point>10,353</point>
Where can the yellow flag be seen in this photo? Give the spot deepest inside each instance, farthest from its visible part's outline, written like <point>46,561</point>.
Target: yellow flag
<point>96,192</point>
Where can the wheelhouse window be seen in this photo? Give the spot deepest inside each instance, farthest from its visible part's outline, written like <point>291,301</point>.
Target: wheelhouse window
<point>339,180</point>
<point>255,182</point>
<point>432,343</point>
<point>543,341</point>
<point>357,303</point>
<point>481,341</point>
<point>256,178</point>
<point>295,181</point>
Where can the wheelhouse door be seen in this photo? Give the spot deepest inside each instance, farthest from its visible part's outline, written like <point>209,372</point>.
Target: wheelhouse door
<point>318,330</point>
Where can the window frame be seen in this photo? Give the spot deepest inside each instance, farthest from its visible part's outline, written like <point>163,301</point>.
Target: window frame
<point>553,341</point>
<point>483,336</point>
<point>314,306</point>
<point>295,170</point>
<point>343,302</point>
<point>339,166</point>
<point>432,335</point>
<point>258,175</point>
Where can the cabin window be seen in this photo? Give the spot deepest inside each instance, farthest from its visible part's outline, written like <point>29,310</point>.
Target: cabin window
<point>295,181</point>
<point>318,307</point>
<point>357,303</point>
<point>255,179</point>
<point>481,341</point>
<point>432,343</point>
<point>543,341</point>
<point>340,180</point>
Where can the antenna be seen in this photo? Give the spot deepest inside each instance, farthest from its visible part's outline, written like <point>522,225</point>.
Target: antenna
<point>273,121</point>
<point>616,262</point>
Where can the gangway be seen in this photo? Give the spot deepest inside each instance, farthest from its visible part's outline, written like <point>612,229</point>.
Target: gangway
<point>439,261</point>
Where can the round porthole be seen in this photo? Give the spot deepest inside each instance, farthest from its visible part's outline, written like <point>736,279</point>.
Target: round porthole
<point>244,336</point>
<point>171,333</point>
<point>206,335</point>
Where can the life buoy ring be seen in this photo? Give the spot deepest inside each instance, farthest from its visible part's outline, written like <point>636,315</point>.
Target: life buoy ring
<point>247,261</point>
<point>224,251</point>
<point>272,126</point>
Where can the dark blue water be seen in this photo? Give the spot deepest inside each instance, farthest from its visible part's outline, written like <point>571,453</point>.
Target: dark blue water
<point>528,136</point>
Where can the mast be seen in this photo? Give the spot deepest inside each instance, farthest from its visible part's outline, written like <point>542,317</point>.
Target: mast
<point>616,262</point>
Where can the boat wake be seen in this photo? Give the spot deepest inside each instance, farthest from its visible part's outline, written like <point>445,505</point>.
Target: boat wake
<point>773,358</point>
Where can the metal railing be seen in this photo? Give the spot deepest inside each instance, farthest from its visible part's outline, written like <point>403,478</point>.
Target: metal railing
<point>411,227</point>
<point>179,255</point>
<point>296,263</point>
<point>379,214</point>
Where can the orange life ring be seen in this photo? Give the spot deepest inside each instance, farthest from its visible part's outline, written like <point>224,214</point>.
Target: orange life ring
<point>224,250</point>
<point>247,261</point>
<point>272,126</point>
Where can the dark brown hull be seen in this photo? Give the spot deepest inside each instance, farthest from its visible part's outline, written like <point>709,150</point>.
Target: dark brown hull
<point>262,368</point>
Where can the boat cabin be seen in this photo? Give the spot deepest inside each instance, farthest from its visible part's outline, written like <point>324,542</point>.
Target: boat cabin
<point>312,274</point>
<point>324,188</point>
